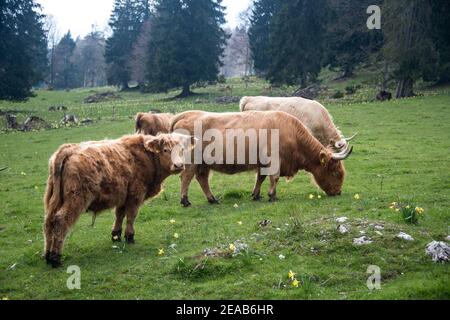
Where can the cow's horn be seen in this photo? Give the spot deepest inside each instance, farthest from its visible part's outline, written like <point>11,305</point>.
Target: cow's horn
<point>351,138</point>
<point>344,154</point>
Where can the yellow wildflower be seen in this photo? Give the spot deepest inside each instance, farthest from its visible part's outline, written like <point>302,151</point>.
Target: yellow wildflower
<point>232,247</point>
<point>160,252</point>
<point>419,210</point>
<point>311,197</point>
<point>176,235</point>
<point>291,275</point>
<point>172,221</point>
<point>236,205</point>
<point>319,197</point>
<point>295,283</point>
<point>240,223</point>
<point>397,210</point>
<point>357,197</point>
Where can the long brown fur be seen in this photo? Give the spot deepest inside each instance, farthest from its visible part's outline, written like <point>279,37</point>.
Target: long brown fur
<point>153,124</point>
<point>299,150</point>
<point>95,176</point>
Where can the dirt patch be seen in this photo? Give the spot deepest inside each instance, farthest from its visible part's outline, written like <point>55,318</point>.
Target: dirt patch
<point>227,100</point>
<point>34,123</point>
<point>102,97</point>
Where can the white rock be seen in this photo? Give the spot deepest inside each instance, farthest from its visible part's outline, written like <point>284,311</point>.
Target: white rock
<point>362,241</point>
<point>405,236</point>
<point>448,238</point>
<point>439,251</point>
<point>378,233</point>
<point>378,227</point>
<point>343,229</point>
<point>342,220</point>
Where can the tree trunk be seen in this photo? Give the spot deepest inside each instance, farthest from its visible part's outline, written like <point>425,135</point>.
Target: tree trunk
<point>385,76</point>
<point>186,91</point>
<point>405,88</point>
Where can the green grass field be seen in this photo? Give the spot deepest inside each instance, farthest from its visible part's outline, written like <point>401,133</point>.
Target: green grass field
<point>401,154</point>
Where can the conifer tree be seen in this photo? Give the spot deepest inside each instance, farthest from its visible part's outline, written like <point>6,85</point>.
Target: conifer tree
<point>260,29</point>
<point>126,21</point>
<point>186,44</point>
<point>23,48</point>
<point>297,42</point>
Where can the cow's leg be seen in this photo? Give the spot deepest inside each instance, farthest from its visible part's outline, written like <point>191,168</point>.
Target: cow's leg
<point>61,223</point>
<point>48,233</point>
<point>131,212</point>
<point>273,188</point>
<point>257,189</point>
<point>186,177</point>
<point>202,176</point>
<point>117,228</point>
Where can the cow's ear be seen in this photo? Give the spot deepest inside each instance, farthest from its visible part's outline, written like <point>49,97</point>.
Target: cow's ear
<point>324,158</point>
<point>153,145</point>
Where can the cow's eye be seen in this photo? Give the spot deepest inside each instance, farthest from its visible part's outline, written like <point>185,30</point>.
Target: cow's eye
<point>166,150</point>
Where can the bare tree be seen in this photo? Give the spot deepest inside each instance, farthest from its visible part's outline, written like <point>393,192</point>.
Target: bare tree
<point>139,55</point>
<point>53,38</point>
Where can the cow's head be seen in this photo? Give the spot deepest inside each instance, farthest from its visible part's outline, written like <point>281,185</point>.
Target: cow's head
<point>171,149</point>
<point>151,124</point>
<point>342,143</point>
<point>331,172</point>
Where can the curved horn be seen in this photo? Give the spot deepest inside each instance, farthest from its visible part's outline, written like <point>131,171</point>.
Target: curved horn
<point>351,138</point>
<point>344,154</point>
<point>339,145</point>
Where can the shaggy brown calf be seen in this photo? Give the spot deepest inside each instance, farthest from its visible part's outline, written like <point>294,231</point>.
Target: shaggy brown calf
<point>153,123</point>
<point>298,150</point>
<point>95,176</point>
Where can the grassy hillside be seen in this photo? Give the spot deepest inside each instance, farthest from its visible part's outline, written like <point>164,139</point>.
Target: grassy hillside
<point>401,154</point>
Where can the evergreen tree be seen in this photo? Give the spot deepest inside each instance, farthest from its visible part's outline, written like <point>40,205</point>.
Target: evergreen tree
<point>297,42</point>
<point>125,22</point>
<point>441,37</point>
<point>349,41</point>
<point>260,30</point>
<point>64,67</point>
<point>186,43</point>
<point>23,48</point>
<point>409,46</point>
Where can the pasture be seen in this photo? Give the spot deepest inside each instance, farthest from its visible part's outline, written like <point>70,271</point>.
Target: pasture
<point>401,154</point>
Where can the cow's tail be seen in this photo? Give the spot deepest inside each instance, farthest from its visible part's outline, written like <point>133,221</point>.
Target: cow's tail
<point>139,122</point>
<point>243,103</point>
<point>53,199</point>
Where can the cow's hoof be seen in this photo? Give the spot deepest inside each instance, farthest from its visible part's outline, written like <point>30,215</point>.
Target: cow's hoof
<point>55,260</point>
<point>213,201</point>
<point>130,239</point>
<point>185,202</point>
<point>116,236</point>
<point>273,198</point>
<point>257,197</point>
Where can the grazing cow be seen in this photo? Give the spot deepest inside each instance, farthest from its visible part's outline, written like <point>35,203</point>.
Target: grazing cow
<point>95,176</point>
<point>298,150</point>
<point>313,115</point>
<point>153,123</point>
